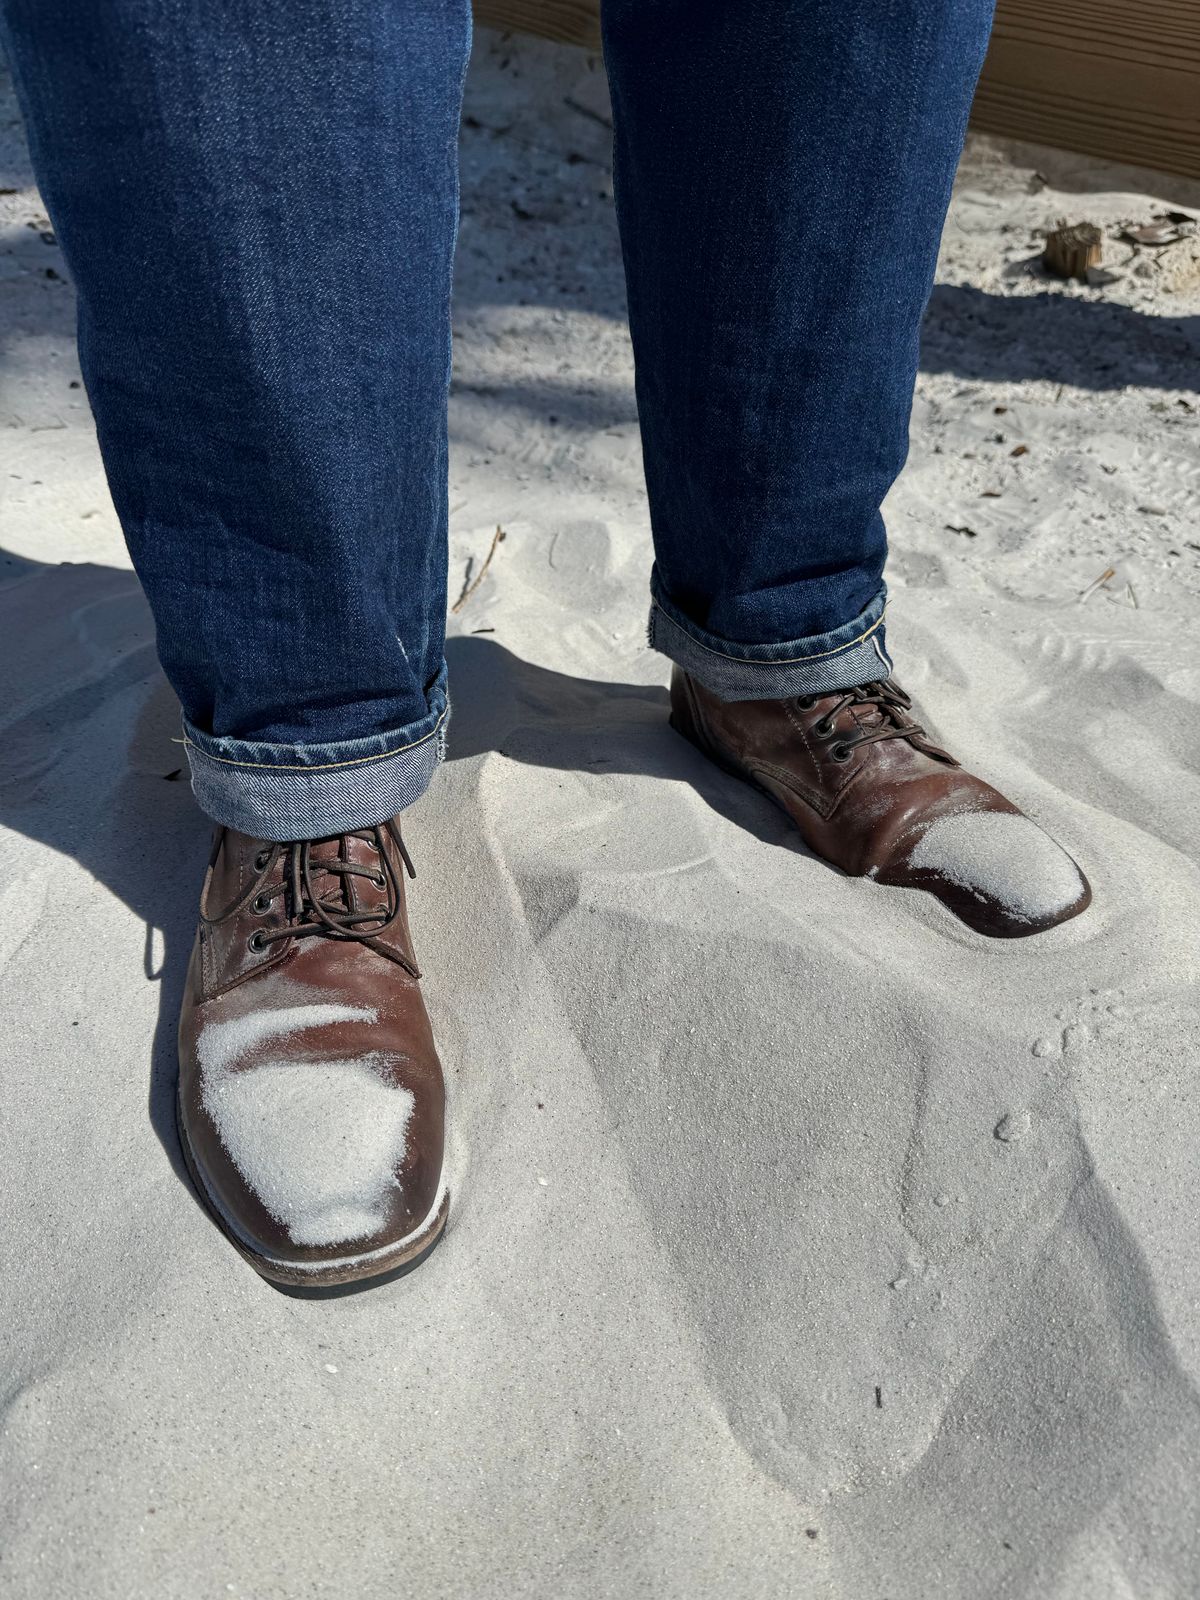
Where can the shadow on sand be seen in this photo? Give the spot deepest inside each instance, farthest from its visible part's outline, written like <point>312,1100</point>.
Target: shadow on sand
<point>94,769</point>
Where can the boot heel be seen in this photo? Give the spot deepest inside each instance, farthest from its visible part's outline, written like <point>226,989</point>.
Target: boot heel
<point>683,716</point>
<point>685,719</point>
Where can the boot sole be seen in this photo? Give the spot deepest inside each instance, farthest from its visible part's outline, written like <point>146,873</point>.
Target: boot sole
<point>389,1261</point>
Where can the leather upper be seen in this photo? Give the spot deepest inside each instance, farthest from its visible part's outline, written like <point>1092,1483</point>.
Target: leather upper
<point>865,785</point>
<point>311,1096</point>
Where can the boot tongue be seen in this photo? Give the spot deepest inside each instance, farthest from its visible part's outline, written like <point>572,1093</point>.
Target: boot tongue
<point>333,887</point>
<point>869,714</point>
<point>327,886</point>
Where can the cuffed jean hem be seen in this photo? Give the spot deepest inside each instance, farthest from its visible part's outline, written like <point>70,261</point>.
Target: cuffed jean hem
<point>276,791</point>
<point>820,664</point>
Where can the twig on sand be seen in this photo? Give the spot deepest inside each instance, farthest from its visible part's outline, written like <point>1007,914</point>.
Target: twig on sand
<point>586,111</point>
<point>1102,582</point>
<point>1097,583</point>
<point>471,584</point>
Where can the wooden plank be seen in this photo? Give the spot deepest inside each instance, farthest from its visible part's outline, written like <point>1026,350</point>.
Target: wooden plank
<point>1112,78</point>
<point>570,21</point>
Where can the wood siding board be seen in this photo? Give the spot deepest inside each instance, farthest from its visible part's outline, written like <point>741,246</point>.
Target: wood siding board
<point>1113,78</point>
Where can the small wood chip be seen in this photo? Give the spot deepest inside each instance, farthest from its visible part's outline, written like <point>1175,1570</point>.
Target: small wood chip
<point>1069,252</point>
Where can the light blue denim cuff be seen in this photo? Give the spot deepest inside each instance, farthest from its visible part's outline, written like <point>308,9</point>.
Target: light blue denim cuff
<point>819,664</point>
<point>279,791</point>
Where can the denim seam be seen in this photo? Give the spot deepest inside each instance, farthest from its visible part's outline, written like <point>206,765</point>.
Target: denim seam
<point>785,661</point>
<point>321,766</point>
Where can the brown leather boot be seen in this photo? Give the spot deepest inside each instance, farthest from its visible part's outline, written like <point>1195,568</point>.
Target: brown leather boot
<point>871,793</point>
<point>311,1099</point>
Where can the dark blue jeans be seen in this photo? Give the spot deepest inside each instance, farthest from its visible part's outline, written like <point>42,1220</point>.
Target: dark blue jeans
<point>257,200</point>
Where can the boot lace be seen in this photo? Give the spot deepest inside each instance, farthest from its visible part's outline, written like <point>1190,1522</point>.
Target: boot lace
<point>315,914</point>
<point>893,706</point>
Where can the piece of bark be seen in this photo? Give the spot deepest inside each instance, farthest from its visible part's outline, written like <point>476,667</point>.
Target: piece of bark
<point>1071,251</point>
<point>1153,233</point>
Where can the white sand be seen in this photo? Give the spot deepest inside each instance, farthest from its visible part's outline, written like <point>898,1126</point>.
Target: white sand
<point>318,1141</point>
<point>1001,858</point>
<point>744,1294</point>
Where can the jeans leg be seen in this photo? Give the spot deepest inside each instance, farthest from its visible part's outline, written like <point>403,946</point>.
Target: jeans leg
<point>783,169</point>
<point>257,201</point>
